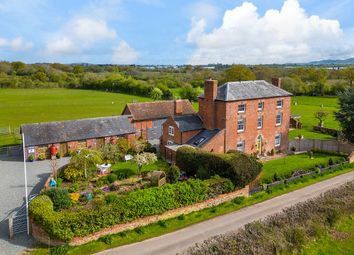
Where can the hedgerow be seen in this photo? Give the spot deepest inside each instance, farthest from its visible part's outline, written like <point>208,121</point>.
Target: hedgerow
<point>65,225</point>
<point>286,232</point>
<point>240,168</point>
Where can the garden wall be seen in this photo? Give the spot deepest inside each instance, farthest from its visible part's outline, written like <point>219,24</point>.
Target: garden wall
<point>40,235</point>
<point>329,145</point>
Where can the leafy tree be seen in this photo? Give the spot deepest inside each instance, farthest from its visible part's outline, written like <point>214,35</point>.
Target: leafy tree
<point>346,113</point>
<point>144,158</point>
<point>18,65</point>
<point>239,73</point>
<point>86,159</point>
<point>188,92</point>
<point>319,77</point>
<point>156,94</point>
<point>123,146</point>
<point>348,74</point>
<point>78,69</point>
<point>321,116</point>
<point>41,76</point>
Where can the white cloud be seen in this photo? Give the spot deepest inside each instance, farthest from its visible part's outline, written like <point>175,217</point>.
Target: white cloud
<point>15,44</point>
<point>204,10</point>
<point>79,34</point>
<point>285,35</point>
<point>124,54</point>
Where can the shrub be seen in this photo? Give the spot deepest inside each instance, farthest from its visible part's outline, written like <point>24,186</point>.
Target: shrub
<point>106,239</point>
<point>112,178</point>
<point>218,186</point>
<point>238,200</point>
<point>139,230</point>
<point>162,223</point>
<point>72,174</point>
<point>124,173</point>
<point>73,188</point>
<point>59,197</point>
<point>59,182</point>
<point>111,197</point>
<point>41,157</point>
<point>181,217</point>
<point>74,197</point>
<point>172,173</point>
<point>57,155</point>
<point>110,152</point>
<point>59,250</point>
<point>330,162</point>
<point>240,168</point>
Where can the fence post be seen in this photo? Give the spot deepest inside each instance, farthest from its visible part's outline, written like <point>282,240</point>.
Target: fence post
<point>11,227</point>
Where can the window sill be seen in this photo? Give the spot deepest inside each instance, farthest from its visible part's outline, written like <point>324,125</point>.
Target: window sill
<point>240,131</point>
<point>278,125</point>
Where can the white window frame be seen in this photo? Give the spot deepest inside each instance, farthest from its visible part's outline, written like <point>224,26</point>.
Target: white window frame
<point>281,103</point>
<point>277,140</point>
<point>261,122</point>
<point>169,142</point>
<point>244,108</point>
<point>262,106</point>
<point>171,130</point>
<point>276,119</point>
<point>243,124</point>
<point>242,143</point>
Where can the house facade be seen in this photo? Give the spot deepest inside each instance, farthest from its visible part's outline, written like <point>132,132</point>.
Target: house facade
<point>249,116</point>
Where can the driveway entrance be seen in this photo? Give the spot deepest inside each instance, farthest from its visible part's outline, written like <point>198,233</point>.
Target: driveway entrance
<point>12,196</point>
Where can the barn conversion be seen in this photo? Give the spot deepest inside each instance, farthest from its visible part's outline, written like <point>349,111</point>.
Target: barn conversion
<point>72,135</point>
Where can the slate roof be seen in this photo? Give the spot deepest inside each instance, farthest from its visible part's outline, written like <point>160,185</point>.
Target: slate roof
<point>202,137</point>
<point>188,122</point>
<point>156,110</point>
<point>74,130</point>
<point>243,90</point>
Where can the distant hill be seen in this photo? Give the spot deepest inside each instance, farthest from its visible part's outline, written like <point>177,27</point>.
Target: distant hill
<point>349,61</point>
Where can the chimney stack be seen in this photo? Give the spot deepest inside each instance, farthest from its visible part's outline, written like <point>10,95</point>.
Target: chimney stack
<point>210,89</point>
<point>178,107</point>
<point>276,82</point>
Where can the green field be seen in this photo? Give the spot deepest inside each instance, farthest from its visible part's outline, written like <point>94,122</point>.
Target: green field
<point>306,108</point>
<point>284,167</point>
<point>19,106</point>
<point>337,242</point>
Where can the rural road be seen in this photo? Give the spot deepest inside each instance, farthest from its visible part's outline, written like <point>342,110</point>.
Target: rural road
<point>179,241</point>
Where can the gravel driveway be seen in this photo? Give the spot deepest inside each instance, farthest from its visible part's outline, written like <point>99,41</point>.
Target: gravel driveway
<point>12,196</point>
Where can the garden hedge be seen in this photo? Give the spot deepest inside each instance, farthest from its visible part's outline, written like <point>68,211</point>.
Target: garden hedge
<point>65,225</point>
<point>240,168</point>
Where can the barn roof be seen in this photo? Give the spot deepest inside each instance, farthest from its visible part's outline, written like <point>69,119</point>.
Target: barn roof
<point>243,90</point>
<point>157,110</point>
<point>74,130</point>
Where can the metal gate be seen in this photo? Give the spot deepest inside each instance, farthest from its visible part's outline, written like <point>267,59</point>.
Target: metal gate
<point>18,220</point>
<point>10,151</point>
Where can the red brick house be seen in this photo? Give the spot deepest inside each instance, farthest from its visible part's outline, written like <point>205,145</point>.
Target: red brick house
<point>72,135</point>
<point>148,117</point>
<point>249,116</point>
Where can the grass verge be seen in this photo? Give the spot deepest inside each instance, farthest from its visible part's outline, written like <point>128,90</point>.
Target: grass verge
<point>180,222</point>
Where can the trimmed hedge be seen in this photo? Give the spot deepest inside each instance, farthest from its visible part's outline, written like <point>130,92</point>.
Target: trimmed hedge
<point>240,168</point>
<point>65,225</point>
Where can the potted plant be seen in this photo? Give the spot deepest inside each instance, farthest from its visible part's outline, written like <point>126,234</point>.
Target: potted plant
<point>31,158</point>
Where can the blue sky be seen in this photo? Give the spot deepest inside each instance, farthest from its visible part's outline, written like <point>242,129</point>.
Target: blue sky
<point>175,32</point>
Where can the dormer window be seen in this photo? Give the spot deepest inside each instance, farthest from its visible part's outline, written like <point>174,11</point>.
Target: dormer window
<point>241,108</point>
<point>171,131</point>
<point>280,103</point>
<point>260,106</point>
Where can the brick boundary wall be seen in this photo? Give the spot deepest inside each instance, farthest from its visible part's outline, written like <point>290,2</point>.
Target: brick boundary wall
<point>40,235</point>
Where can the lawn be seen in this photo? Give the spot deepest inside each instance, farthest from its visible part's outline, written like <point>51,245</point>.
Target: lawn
<point>284,167</point>
<point>19,106</point>
<point>306,107</point>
